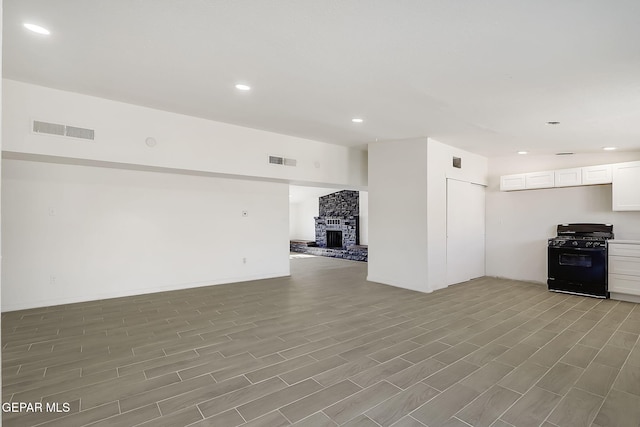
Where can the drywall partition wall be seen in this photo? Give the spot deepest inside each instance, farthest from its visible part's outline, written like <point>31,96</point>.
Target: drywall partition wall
<point>182,142</point>
<point>520,222</point>
<point>440,167</point>
<point>398,214</point>
<point>364,218</point>
<point>301,219</point>
<point>76,233</point>
<point>0,168</point>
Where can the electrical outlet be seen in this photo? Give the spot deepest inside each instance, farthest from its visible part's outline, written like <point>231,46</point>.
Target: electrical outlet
<point>52,280</point>
<point>244,260</point>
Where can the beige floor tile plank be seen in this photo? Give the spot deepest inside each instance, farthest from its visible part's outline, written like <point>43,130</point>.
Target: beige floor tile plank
<point>597,379</point>
<point>130,400</point>
<point>239,397</point>
<point>442,407</point>
<point>134,417</point>
<point>450,375</point>
<point>393,351</point>
<point>620,409</point>
<point>312,369</point>
<point>270,371</point>
<point>488,407</point>
<point>358,403</point>
<point>182,418</point>
<point>230,418</point>
<point>416,373</point>
<point>345,371</point>
<point>579,356</point>
<point>577,408</point>
<point>425,352</point>
<point>401,404</point>
<point>523,377</point>
<point>486,376</point>
<point>361,421</point>
<point>201,394</point>
<point>532,408</point>
<point>306,406</point>
<point>560,378</point>
<point>278,399</point>
<point>316,420</point>
<point>380,372</point>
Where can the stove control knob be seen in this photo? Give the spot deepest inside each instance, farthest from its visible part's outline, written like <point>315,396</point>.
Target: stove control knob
<point>574,243</point>
<point>590,243</point>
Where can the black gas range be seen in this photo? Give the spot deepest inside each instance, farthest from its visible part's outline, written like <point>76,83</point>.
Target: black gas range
<point>577,259</point>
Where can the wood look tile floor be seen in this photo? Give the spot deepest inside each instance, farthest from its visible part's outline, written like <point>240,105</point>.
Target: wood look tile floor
<point>325,347</point>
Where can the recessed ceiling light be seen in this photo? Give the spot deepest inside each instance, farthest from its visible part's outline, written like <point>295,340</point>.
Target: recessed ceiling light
<point>357,120</point>
<point>553,123</point>
<point>240,86</point>
<point>523,152</point>
<point>609,148</point>
<point>37,29</point>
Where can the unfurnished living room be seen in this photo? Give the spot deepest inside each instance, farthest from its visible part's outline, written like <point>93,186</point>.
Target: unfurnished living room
<point>320,213</point>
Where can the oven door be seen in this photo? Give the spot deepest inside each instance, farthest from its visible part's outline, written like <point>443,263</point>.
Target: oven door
<point>578,270</point>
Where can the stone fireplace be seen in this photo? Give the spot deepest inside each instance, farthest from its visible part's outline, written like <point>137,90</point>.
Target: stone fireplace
<point>337,229</point>
<point>337,224</point>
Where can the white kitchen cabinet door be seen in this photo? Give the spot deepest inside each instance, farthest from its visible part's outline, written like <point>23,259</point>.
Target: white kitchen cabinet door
<point>626,186</point>
<point>601,174</point>
<point>465,231</point>
<point>545,179</point>
<point>512,182</point>
<point>568,177</point>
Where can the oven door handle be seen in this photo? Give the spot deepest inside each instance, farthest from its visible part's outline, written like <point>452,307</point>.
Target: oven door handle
<point>598,249</point>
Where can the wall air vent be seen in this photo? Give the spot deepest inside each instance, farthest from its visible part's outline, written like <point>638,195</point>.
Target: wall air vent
<point>275,160</point>
<point>63,130</point>
<point>50,128</point>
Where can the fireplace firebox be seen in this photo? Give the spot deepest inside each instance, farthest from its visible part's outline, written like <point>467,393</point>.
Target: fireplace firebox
<point>334,239</point>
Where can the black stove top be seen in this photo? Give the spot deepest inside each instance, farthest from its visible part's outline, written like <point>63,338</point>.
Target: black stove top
<point>584,230</point>
<point>582,235</point>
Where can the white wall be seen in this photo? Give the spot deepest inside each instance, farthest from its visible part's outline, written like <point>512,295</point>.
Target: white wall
<point>178,195</point>
<point>76,233</point>
<point>183,142</point>
<point>398,213</point>
<point>301,219</point>
<point>364,217</point>
<point>408,209</point>
<point>520,222</point>
<point>440,167</point>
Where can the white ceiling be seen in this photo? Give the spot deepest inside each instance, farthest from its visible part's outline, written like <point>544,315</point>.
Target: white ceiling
<point>480,75</point>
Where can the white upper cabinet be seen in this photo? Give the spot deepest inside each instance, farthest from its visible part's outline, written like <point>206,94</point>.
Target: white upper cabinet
<point>543,179</point>
<point>601,174</point>
<point>512,182</point>
<point>626,186</point>
<point>568,177</point>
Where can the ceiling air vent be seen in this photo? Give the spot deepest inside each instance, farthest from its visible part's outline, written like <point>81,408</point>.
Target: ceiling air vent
<point>290,162</point>
<point>63,130</point>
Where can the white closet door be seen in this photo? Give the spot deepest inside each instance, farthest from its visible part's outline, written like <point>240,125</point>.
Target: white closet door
<point>465,231</point>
